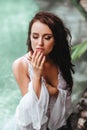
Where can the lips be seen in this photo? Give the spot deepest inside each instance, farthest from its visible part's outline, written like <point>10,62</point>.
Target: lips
<point>39,49</point>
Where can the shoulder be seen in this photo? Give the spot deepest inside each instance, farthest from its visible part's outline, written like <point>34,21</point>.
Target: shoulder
<point>20,66</point>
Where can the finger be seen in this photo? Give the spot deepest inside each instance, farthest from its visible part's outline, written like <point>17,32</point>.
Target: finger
<point>39,59</point>
<point>36,57</point>
<point>42,61</point>
<point>33,56</point>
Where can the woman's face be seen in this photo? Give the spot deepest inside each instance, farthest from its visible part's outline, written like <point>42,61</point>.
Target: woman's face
<point>41,38</point>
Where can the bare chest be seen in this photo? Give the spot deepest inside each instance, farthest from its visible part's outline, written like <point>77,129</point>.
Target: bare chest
<point>51,75</point>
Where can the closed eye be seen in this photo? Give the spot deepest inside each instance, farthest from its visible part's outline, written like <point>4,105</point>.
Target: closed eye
<point>35,37</point>
<point>48,37</point>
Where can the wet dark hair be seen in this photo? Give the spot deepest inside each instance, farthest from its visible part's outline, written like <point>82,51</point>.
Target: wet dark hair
<point>61,51</point>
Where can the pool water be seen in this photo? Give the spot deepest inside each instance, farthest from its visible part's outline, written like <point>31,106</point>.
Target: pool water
<point>14,20</point>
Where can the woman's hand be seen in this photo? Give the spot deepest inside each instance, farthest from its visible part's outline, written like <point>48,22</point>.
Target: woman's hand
<point>37,60</point>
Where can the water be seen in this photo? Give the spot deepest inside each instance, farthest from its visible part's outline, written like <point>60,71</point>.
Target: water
<point>14,20</point>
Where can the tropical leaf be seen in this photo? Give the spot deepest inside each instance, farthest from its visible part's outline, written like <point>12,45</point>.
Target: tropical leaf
<point>79,50</point>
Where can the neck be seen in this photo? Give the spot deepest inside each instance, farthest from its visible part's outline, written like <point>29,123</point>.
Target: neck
<point>49,63</point>
<point>48,60</point>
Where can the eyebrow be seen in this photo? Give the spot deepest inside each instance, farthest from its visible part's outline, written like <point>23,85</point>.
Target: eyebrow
<point>50,34</point>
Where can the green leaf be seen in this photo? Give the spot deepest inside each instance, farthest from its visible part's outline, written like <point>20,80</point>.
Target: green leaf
<point>79,50</point>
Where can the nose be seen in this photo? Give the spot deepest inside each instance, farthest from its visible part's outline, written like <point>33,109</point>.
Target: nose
<point>40,41</point>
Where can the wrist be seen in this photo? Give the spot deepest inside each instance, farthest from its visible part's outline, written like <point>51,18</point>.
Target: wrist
<point>36,78</point>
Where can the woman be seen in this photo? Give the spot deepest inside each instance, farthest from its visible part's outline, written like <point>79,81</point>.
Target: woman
<point>44,75</point>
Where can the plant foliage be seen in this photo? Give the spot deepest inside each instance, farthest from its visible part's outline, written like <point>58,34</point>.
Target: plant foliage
<point>79,50</point>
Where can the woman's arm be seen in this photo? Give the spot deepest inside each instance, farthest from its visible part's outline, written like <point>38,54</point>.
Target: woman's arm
<point>20,71</point>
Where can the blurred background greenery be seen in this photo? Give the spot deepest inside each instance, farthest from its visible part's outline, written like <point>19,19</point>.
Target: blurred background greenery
<point>14,19</point>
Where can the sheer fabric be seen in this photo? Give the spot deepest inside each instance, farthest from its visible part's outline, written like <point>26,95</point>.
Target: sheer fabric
<point>38,114</point>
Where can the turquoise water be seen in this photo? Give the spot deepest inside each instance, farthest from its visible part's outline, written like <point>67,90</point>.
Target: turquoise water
<point>14,19</point>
